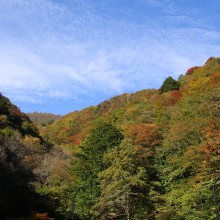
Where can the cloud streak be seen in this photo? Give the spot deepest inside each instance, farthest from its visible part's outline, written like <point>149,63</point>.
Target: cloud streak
<point>51,52</point>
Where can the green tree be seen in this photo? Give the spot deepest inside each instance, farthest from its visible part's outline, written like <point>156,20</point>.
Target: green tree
<point>190,158</point>
<point>169,84</point>
<point>125,184</point>
<point>88,163</point>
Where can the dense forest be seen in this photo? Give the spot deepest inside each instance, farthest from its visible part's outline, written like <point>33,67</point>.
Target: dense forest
<point>150,155</point>
<point>43,119</point>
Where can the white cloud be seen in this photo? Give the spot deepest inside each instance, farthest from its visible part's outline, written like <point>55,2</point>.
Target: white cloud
<point>51,52</point>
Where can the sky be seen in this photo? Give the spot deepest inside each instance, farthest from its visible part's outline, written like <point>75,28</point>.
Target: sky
<point>59,56</point>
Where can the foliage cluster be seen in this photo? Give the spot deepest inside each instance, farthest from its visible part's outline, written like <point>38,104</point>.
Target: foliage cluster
<point>154,154</point>
<point>21,148</point>
<point>169,84</point>
<point>12,117</point>
<point>166,163</point>
<point>43,119</point>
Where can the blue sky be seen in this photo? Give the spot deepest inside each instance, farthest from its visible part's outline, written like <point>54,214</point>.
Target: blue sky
<point>63,55</point>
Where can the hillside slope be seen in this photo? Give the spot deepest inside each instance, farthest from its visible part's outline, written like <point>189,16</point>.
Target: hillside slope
<point>171,136</point>
<point>21,148</point>
<point>43,119</point>
<point>154,154</point>
<point>146,106</point>
<point>12,118</point>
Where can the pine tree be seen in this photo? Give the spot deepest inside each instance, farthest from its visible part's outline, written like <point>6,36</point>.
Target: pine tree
<point>169,84</point>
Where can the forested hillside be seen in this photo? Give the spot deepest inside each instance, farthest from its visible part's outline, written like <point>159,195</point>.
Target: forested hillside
<point>22,150</point>
<point>43,119</point>
<point>154,154</point>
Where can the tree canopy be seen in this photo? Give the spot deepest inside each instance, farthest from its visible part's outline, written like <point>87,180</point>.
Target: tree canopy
<point>169,84</point>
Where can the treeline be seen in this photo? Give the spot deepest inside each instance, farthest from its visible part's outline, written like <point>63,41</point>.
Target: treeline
<point>43,119</point>
<point>154,154</point>
<point>149,155</point>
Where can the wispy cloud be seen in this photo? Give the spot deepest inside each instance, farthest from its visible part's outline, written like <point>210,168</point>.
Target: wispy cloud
<point>53,51</point>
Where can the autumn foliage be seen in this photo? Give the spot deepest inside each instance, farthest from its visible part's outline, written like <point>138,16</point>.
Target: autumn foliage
<point>153,154</point>
<point>191,70</point>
